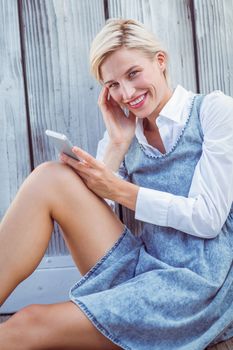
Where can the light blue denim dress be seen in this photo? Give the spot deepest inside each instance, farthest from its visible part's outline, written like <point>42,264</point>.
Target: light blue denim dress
<point>163,289</point>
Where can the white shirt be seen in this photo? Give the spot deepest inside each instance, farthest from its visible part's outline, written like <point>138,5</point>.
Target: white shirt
<point>210,197</point>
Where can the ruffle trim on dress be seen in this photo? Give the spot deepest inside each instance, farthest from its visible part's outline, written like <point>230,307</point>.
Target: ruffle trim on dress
<point>165,155</point>
<point>99,263</point>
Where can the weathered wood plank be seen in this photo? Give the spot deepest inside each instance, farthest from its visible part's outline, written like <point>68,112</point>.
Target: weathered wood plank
<point>214,32</point>
<point>175,32</point>
<point>63,96</point>
<point>14,159</point>
<point>50,283</point>
<point>227,345</point>
<point>171,23</point>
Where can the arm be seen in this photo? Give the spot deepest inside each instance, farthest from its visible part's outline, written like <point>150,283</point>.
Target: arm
<point>210,197</point>
<point>113,147</point>
<point>120,130</point>
<point>106,152</point>
<point>100,174</point>
<point>114,156</point>
<point>101,180</point>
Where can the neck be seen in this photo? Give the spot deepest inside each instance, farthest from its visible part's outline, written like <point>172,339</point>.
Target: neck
<point>150,123</point>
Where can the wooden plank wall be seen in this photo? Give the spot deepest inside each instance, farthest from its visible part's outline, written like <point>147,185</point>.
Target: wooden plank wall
<point>213,35</point>
<point>45,80</point>
<point>61,94</point>
<point>14,147</point>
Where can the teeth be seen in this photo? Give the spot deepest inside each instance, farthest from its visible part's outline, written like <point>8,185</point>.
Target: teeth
<point>133,103</point>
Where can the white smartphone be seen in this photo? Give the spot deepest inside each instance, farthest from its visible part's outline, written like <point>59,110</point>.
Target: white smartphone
<point>62,143</point>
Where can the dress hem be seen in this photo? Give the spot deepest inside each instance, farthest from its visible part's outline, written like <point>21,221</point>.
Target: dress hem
<point>84,308</point>
<point>99,262</point>
<point>96,323</point>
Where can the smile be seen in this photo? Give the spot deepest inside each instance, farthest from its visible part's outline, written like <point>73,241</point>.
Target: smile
<point>138,102</point>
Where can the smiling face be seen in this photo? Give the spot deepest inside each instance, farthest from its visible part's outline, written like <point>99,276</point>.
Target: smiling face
<point>137,82</point>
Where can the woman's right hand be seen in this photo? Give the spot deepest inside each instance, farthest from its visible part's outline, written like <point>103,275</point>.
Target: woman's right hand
<point>121,128</point>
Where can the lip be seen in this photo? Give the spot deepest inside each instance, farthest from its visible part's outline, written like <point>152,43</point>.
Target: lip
<point>139,104</point>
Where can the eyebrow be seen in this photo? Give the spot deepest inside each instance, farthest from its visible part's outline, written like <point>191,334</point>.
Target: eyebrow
<point>128,70</point>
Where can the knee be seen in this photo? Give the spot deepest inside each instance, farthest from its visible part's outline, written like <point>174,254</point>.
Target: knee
<point>53,170</point>
<point>50,168</point>
<point>54,174</point>
<point>22,328</point>
<point>27,318</point>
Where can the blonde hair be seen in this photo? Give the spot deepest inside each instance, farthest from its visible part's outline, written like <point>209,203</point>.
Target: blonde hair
<point>126,33</point>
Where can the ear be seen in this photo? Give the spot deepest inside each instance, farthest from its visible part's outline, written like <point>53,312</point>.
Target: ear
<point>161,59</point>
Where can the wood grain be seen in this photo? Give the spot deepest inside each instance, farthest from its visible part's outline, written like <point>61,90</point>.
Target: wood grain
<point>62,94</point>
<point>227,345</point>
<point>214,32</point>
<point>171,22</point>
<point>14,159</point>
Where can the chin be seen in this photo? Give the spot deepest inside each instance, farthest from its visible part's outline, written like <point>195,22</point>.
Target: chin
<point>145,113</point>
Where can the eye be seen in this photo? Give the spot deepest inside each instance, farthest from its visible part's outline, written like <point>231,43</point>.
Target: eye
<point>113,85</point>
<point>132,74</point>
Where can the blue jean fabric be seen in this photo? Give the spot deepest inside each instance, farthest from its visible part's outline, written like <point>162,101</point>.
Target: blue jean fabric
<point>163,289</point>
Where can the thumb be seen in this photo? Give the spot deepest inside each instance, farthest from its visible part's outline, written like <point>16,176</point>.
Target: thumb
<point>113,102</point>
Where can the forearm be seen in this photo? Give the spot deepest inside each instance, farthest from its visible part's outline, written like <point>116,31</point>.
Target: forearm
<point>196,215</point>
<point>125,193</point>
<point>114,155</point>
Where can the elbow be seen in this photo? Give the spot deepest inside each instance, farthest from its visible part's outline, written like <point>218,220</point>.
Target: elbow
<point>207,229</point>
<point>208,221</point>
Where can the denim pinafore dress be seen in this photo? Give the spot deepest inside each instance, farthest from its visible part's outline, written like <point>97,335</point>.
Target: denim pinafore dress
<point>163,289</point>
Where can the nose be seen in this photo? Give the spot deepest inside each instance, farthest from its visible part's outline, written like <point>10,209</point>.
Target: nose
<point>127,91</point>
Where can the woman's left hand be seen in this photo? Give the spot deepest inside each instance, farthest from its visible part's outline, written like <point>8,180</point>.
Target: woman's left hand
<point>97,177</point>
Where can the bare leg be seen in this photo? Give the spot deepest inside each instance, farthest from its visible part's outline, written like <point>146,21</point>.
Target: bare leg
<point>53,191</point>
<point>59,326</point>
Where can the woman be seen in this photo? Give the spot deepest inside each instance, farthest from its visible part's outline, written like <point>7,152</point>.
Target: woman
<point>171,161</point>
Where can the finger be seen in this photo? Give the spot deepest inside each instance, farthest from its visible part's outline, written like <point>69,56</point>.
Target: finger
<point>83,176</point>
<point>87,158</point>
<point>68,160</point>
<point>103,97</point>
<point>113,102</point>
<point>81,168</point>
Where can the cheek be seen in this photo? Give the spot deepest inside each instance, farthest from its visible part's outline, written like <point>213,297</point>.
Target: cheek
<point>152,89</point>
<point>147,83</point>
<point>115,96</point>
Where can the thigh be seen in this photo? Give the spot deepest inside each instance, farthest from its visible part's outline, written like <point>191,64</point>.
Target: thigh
<point>63,326</point>
<point>89,225</point>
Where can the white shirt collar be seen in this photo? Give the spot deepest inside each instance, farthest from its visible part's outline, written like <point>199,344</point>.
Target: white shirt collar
<point>175,105</point>
<point>172,113</point>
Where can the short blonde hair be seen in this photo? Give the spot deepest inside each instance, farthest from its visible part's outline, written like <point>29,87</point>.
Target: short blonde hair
<point>126,33</point>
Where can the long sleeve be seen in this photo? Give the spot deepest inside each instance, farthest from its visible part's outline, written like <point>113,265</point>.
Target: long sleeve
<point>210,197</point>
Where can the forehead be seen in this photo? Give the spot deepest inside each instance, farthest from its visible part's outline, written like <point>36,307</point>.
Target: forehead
<point>116,64</point>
